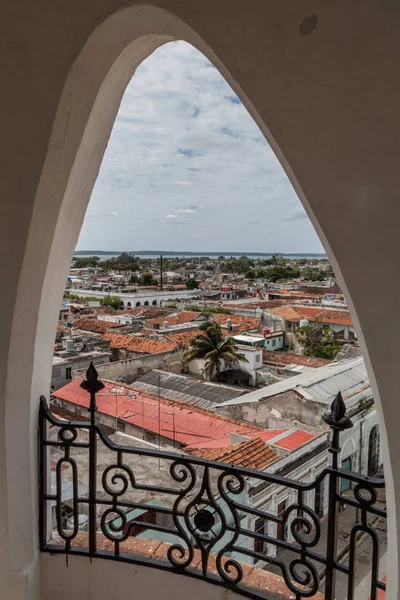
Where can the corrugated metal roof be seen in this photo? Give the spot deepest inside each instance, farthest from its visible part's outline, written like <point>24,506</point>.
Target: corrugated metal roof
<point>178,387</point>
<point>173,420</point>
<point>321,384</point>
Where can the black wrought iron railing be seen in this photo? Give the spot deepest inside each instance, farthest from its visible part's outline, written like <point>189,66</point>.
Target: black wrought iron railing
<point>96,496</point>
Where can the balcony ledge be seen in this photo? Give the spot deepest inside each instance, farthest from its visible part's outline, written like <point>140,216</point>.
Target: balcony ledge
<point>254,578</point>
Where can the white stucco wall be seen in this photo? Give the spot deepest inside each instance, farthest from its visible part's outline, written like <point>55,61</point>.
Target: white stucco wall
<point>110,580</point>
<point>324,92</point>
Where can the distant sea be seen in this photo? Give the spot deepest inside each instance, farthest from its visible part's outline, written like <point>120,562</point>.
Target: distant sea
<point>155,253</point>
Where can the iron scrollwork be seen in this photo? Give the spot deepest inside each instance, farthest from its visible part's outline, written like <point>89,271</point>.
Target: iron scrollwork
<point>200,508</point>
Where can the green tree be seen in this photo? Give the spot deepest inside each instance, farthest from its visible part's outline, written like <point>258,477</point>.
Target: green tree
<point>82,262</point>
<point>114,301</point>
<point>147,279</point>
<point>313,275</point>
<point>192,284</point>
<point>250,274</point>
<point>214,349</point>
<point>282,273</point>
<point>318,341</point>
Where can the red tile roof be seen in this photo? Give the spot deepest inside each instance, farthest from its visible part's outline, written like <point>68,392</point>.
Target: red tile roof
<point>297,294</point>
<point>139,345</point>
<point>253,454</point>
<point>245,323</point>
<point>324,315</point>
<point>187,424</point>
<point>182,338</point>
<point>290,439</point>
<point>290,358</point>
<point>289,313</point>
<point>174,319</point>
<point>94,325</point>
<point>259,304</point>
<point>338,317</point>
<point>294,440</point>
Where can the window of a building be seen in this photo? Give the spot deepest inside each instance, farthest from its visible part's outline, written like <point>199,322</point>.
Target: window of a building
<point>259,527</point>
<point>274,342</point>
<point>68,373</point>
<point>150,437</point>
<point>281,527</point>
<point>120,425</point>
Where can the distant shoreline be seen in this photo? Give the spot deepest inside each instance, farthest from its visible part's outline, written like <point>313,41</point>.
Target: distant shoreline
<point>155,253</point>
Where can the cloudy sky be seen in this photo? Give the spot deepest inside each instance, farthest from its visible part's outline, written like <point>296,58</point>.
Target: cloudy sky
<point>187,168</point>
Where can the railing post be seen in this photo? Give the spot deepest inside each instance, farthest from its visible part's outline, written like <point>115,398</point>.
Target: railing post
<point>336,418</point>
<point>43,473</point>
<point>92,385</point>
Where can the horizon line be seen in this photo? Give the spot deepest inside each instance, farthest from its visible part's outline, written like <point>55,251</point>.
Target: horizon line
<point>197,252</point>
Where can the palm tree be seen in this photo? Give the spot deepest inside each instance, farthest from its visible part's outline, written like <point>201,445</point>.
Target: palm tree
<point>212,347</point>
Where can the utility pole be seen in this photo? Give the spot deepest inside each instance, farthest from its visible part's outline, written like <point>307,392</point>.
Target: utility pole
<point>161,272</point>
<point>159,421</point>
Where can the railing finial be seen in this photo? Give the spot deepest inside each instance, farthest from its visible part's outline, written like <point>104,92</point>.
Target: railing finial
<point>92,384</point>
<point>335,416</point>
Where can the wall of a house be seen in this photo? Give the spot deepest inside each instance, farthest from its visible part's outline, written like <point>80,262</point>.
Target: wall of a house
<point>131,368</point>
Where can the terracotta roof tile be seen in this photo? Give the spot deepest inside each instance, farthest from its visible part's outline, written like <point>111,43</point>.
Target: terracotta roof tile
<point>94,325</point>
<point>182,338</point>
<point>260,304</point>
<point>326,315</point>
<point>174,319</point>
<point>253,454</point>
<point>312,313</point>
<point>140,345</point>
<point>338,317</point>
<point>290,358</point>
<point>245,323</point>
<point>289,313</point>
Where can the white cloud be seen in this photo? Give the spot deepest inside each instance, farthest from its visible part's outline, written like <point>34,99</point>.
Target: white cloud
<point>102,215</point>
<point>184,149</point>
<point>185,211</point>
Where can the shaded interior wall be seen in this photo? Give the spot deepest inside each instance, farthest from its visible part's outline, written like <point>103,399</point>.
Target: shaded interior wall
<point>109,580</point>
<point>319,77</point>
